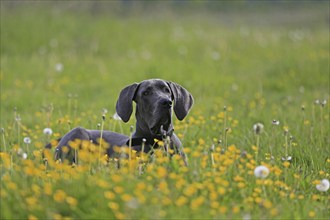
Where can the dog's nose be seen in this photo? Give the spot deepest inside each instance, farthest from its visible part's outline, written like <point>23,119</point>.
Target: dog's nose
<point>166,103</point>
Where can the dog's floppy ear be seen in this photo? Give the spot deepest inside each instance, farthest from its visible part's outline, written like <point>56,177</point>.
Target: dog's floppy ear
<point>183,100</point>
<point>124,106</point>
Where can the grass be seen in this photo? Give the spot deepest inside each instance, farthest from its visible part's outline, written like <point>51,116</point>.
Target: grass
<point>61,66</point>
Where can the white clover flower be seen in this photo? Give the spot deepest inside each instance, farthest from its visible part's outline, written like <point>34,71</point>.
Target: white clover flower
<point>261,172</point>
<point>323,186</point>
<point>27,140</point>
<point>258,128</point>
<point>48,131</point>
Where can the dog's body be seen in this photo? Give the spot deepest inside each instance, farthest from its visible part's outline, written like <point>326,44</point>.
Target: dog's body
<point>154,99</point>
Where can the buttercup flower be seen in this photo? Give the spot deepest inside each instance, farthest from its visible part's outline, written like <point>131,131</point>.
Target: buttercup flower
<point>323,186</point>
<point>48,131</point>
<point>261,172</point>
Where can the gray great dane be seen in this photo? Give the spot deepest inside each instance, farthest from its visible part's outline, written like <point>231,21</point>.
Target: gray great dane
<point>155,100</point>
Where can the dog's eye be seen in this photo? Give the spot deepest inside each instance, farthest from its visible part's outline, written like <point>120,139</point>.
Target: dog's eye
<point>145,93</point>
<point>167,90</point>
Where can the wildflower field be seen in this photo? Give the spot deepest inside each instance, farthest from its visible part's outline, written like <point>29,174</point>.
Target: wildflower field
<point>257,137</point>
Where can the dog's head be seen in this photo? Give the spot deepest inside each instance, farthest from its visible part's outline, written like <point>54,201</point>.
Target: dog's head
<point>154,100</point>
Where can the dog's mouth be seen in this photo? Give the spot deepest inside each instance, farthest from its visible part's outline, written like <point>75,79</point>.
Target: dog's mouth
<point>160,127</point>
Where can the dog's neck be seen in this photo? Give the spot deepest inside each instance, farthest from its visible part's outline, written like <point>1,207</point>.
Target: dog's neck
<point>142,129</point>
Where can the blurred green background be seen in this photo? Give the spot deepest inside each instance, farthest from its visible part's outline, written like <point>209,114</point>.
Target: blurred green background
<point>233,53</point>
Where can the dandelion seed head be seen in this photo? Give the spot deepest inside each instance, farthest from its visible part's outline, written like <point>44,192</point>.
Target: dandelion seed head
<point>323,186</point>
<point>258,128</point>
<point>48,131</point>
<point>59,67</point>
<point>323,103</point>
<point>104,111</point>
<point>275,122</point>
<point>27,140</point>
<point>261,172</point>
<point>24,156</point>
<point>18,118</point>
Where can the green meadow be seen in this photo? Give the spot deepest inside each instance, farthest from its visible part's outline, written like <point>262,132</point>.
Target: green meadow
<point>246,64</point>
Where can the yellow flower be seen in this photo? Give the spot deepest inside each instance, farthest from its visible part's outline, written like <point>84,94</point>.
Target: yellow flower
<point>12,186</point>
<point>180,182</point>
<point>257,190</point>
<point>48,189</point>
<point>141,186</point>
<point>161,172</point>
<point>292,196</point>
<point>72,201</point>
<point>102,183</point>
<point>113,205</point>
<point>32,217</point>
<point>166,201</point>
<point>258,200</point>
<point>35,189</point>
<point>119,215</point>
<point>163,187</point>
<point>223,209</point>
<point>196,203</point>
<point>109,195</point>
<point>273,212</point>
<point>286,164</point>
<point>254,148</point>
<point>235,209</point>
<point>31,201</point>
<point>126,197</point>
<point>241,185</point>
<point>181,201</point>
<point>221,190</point>
<point>160,143</point>
<point>311,214</point>
<point>59,196</point>
<point>201,141</point>
<point>189,190</point>
<point>118,189</point>
<point>267,204</point>
<point>315,197</point>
